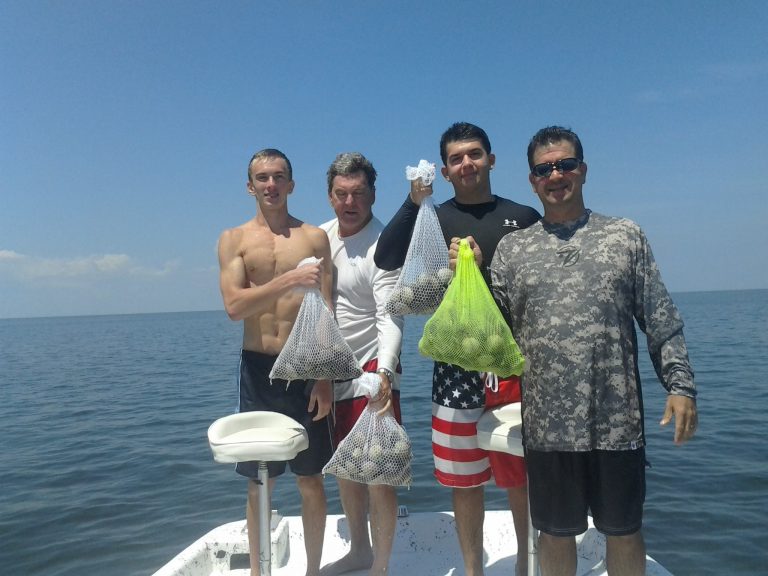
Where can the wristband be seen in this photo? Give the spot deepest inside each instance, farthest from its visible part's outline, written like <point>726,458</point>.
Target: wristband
<point>387,373</point>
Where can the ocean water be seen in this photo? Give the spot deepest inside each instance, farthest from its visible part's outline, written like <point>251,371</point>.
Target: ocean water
<point>105,467</point>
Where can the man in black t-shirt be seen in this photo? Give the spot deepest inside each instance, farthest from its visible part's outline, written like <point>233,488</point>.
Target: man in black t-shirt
<point>459,397</point>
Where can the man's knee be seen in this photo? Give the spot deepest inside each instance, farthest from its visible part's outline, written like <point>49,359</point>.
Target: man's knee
<point>632,541</point>
<point>557,543</point>
<point>518,492</point>
<point>310,485</point>
<point>381,490</point>
<point>625,554</point>
<point>468,493</point>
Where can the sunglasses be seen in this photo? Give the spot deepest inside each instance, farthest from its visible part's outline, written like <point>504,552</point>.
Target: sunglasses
<point>565,165</point>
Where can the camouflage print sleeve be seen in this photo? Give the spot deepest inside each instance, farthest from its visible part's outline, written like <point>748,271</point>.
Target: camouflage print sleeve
<point>499,272</point>
<point>660,320</point>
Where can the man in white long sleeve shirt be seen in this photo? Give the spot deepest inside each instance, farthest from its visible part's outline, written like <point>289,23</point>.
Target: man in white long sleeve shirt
<point>360,291</point>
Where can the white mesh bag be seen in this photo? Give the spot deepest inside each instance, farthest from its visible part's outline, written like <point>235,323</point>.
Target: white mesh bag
<point>315,349</point>
<point>377,450</point>
<point>425,274</point>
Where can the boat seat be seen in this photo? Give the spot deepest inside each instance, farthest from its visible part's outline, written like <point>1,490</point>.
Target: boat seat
<point>266,437</point>
<point>261,435</point>
<point>500,430</point>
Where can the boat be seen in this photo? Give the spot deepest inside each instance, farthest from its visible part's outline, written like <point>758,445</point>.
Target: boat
<point>425,542</point>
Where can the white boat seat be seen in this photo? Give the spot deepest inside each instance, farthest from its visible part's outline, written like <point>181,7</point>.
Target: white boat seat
<point>500,430</point>
<point>260,435</point>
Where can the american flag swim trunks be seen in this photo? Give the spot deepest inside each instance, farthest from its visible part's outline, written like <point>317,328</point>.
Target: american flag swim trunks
<point>458,401</point>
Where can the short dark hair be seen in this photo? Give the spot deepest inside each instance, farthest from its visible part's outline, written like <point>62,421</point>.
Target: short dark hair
<point>270,153</point>
<point>459,132</point>
<point>348,163</point>
<point>552,135</point>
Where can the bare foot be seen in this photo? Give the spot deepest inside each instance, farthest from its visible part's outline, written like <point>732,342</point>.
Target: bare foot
<point>348,563</point>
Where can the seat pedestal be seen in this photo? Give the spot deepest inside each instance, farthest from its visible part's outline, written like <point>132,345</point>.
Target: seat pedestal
<point>500,430</point>
<point>266,437</point>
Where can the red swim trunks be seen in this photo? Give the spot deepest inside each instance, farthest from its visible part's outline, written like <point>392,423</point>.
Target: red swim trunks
<point>349,402</point>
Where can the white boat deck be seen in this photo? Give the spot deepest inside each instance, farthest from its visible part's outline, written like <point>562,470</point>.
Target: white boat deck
<point>425,545</point>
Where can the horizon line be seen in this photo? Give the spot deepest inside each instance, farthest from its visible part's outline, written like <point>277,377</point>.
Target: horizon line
<point>101,314</point>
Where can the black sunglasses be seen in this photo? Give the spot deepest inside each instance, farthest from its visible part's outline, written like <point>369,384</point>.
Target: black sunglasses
<point>544,170</point>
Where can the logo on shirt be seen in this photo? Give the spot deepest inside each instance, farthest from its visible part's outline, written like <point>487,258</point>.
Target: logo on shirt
<point>569,255</point>
<point>510,223</point>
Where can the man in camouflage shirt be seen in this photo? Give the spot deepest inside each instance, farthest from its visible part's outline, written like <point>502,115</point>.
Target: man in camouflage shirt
<point>572,286</point>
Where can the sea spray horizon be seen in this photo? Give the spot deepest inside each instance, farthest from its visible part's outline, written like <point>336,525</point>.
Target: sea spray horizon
<point>106,468</point>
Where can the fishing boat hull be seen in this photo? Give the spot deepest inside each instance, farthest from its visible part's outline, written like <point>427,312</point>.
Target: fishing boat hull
<point>425,544</point>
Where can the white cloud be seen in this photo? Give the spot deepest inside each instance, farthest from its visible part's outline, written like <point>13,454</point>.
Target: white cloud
<point>6,255</point>
<point>24,267</point>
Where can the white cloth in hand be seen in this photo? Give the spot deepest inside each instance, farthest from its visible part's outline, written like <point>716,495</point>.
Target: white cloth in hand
<point>425,170</point>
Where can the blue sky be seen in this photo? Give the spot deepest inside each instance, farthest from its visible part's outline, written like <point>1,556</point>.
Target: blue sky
<point>126,127</point>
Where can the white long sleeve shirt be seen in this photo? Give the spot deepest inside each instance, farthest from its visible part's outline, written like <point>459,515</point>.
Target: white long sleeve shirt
<point>360,291</point>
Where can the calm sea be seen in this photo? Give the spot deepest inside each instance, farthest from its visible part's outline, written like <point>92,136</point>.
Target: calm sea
<point>105,467</point>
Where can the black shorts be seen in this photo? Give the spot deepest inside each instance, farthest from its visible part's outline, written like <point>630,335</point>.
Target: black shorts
<point>564,486</point>
<point>258,393</point>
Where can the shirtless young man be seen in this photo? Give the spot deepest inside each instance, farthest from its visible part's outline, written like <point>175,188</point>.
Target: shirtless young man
<point>258,280</point>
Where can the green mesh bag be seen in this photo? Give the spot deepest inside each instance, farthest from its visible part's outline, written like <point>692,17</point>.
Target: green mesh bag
<point>468,329</point>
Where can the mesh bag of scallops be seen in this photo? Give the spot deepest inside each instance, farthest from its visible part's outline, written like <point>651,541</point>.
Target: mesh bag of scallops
<point>425,274</point>
<point>468,329</point>
<point>315,348</point>
<point>377,449</point>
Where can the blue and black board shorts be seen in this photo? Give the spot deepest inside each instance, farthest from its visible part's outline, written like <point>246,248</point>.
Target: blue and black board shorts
<point>258,392</point>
